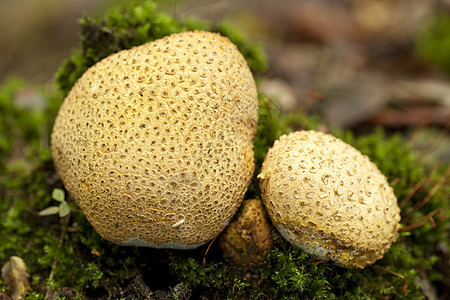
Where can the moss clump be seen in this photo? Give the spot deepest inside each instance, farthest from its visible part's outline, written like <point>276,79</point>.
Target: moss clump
<point>433,41</point>
<point>67,259</point>
<point>136,24</point>
<point>290,273</point>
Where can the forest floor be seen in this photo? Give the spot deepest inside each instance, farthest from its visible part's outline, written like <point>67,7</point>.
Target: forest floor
<point>359,65</point>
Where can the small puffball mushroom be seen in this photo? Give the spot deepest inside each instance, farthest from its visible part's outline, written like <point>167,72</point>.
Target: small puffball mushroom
<point>327,198</point>
<point>155,143</point>
<point>248,238</point>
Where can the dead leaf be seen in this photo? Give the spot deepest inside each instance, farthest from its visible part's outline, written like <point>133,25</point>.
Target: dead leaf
<point>15,276</point>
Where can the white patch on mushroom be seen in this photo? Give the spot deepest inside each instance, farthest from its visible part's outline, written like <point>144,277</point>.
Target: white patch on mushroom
<point>178,223</point>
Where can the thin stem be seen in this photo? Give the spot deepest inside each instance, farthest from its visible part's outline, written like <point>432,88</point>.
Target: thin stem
<point>422,220</point>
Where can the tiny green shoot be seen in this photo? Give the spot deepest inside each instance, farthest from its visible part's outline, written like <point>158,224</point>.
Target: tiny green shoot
<point>63,209</point>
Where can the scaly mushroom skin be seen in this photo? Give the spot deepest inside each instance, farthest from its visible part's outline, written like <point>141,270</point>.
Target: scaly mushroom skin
<point>154,143</point>
<point>327,198</point>
<point>248,238</point>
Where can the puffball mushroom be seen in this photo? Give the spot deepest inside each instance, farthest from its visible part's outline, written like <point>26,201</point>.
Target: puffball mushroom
<point>248,238</point>
<point>327,198</point>
<point>154,143</point>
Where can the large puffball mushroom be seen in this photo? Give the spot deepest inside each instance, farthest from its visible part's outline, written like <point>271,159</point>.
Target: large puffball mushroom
<point>327,198</point>
<point>154,143</point>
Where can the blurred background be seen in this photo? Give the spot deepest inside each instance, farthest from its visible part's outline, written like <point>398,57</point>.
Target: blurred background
<point>357,63</point>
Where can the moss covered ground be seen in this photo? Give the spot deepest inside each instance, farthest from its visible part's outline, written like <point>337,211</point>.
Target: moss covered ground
<point>67,259</point>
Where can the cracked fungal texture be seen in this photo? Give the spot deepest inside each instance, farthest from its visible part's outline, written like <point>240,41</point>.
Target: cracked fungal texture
<point>248,238</point>
<point>324,196</point>
<point>155,143</point>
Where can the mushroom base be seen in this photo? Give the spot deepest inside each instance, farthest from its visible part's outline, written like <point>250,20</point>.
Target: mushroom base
<point>328,248</point>
<point>137,242</point>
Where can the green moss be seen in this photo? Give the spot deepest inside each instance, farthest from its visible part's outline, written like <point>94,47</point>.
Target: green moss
<point>18,120</point>
<point>433,41</point>
<point>290,273</point>
<point>136,24</point>
<point>7,92</point>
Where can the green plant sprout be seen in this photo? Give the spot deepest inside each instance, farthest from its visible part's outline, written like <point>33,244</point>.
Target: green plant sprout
<point>63,209</point>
